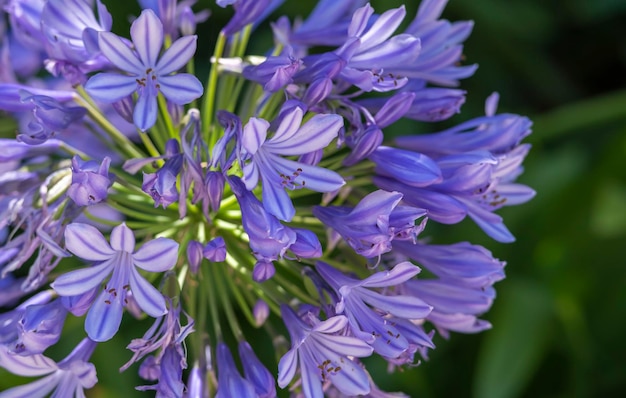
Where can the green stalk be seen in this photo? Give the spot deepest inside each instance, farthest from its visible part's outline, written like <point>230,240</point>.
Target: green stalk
<point>209,100</point>
<point>120,139</point>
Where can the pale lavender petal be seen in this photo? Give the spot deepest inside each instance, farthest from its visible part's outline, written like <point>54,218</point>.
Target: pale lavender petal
<point>401,273</point>
<point>490,223</point>
<point>312,177</point>
<point>181,89</point>
<point>123,239</point>
<point>119,53</point>
<point>332,325</point>
<point>276,200</point>
<point>384,27</point>
<point>31,365</point>
<point>82,280</point>
<point>147,34</point>
<point>254,134</point>
<point>110,87</point>
<point>177,56</point>
<point>158,255</point>
<point>147,296</point>
<point>287,367</point>
<point>375,204</point>
<point>87,242</point>
<point>145,113</point>
<point>315,134</point>
<point>36,389</point>
<point>344,345</point>
<point>104,318</point>
<point>408,307</point>
<point>289,126</point>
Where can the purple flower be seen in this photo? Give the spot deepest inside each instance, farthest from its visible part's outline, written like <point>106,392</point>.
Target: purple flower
<point>322,354</point>
<point>33,326</point>
<point>161,186</point>
<point>120,259</point>
<point>71,29</point>
<point>370,227</point>
<point>215,250</point>
<point>442,50</point>
<point>269,239</point>
<point>412,168</point>
<point>48,118</point>
<point>368,311</point>
<point>194,256</point>
<point>247,12</point>
<point>67,378</point>
<point>275,72</point>
<point>39,328</point>
<point>256,373</point>
<point>90,181</point>
<point>230,383</point>
<point>472,264</point>
<point>278,173</point>
<point>147,74</point>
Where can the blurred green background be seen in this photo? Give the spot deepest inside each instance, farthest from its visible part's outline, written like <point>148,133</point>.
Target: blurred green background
<point>558,321</point>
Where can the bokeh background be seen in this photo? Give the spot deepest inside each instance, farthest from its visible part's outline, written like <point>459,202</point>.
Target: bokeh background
<point>559,322</point>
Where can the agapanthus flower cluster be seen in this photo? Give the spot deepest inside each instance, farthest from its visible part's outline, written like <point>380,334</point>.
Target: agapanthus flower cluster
<point>263,203</point>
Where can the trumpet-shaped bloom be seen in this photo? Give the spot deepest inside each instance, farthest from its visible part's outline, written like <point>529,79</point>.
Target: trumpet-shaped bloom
<point>90,181</point>
<point>67,378</point>
<point>278,173</point>
<point>370,227</point>
<point>120,259</point>
<point>146,72</point>
<point>321,352</point>
<point>366,308</point>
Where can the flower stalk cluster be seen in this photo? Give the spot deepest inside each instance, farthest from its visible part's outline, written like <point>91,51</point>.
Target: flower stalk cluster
<point>271,194</point>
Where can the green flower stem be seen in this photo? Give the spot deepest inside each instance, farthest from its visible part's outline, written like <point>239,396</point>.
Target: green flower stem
<point>242,42</point>
<point>211,287</point>
<point>147,142</point>
<point>221,278</point>
<point>120,139</point>
<point>166,118</point>
<point>241,300</point>
<point>209,99</point>
<point>290,287</point>
<point>579,116</point>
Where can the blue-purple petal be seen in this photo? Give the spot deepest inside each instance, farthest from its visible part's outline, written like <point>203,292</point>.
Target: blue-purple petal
<point>145,113</point>
<point>110,87</point>
<point>315,134</point>
<point>147,34</point>
<point>149,299</point>
<point>119,53</point>
<point>181,89</point>
<point>157,255</point>
<point>104,318</point>
<point>122,238</point>
<point>87,242</point>
<point>177,56</point>
<point>82,280</point>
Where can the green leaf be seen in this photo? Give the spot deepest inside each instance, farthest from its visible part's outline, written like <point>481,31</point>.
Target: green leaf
<point>514,348</point>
